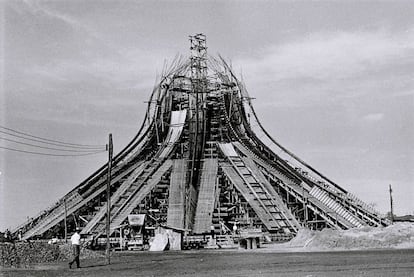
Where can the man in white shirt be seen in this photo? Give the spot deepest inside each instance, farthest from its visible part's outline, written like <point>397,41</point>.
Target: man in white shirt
<point>75,240</point>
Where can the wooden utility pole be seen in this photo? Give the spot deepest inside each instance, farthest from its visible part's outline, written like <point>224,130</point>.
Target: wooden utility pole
<point>108,201</point>
<point>392,209</point>
<point>66,225</point>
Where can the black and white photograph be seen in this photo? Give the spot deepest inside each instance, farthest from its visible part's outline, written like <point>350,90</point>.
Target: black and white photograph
<point>206,138</point>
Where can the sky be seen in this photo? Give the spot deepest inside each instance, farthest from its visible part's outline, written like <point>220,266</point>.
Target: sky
<point>333,82</point>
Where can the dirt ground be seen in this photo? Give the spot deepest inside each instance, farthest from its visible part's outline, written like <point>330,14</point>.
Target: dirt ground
<point>235,263</point>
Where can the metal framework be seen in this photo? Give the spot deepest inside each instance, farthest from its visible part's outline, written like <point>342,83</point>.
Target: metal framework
<point>197,161</point>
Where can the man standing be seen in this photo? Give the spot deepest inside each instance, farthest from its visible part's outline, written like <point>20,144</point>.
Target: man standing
<point>234,228</point>
<point>212,231</point>
<point>75,240</point>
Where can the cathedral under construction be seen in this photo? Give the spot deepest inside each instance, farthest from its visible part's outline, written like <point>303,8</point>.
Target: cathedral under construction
<point>200,162</point>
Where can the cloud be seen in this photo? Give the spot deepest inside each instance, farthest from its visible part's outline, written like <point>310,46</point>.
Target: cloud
<point>332,66</point>
<point>35,7</point>
<point>373,117</point>
<point>335,55</point>
<point>75,49</point>
<point>63,68</point>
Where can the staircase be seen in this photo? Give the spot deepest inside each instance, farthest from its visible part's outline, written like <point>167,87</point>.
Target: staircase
<point>324,197</point>
<point>270,211</point>
<point>271,191</point>
<point>303,196</point>
<point>300,192</point>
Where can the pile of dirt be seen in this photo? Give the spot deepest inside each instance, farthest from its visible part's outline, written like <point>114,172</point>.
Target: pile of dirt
<point>66,253</point>
<point>399,235</point>
<point>302,238</point>
<point>25,253</point>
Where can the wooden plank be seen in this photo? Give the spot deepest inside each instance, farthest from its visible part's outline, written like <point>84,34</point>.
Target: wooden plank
<point>140,193</point>
<point>240,185</point>
<point>205,203</point>
<point>176,199</point>
<point>116,198</point>
<point>276,199</point>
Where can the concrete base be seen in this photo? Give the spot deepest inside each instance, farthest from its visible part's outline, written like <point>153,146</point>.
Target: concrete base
<point>249,243</point>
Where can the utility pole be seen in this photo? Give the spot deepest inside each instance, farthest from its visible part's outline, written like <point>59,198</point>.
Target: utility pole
<point>392,209</point>
<point>108,201</point>
<point>66,225</point>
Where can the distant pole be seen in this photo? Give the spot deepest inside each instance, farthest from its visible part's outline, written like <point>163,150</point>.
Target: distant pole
<point>66,225</point>
<point>392,209</point>
<point>108,201</point>
<point>305,209</point>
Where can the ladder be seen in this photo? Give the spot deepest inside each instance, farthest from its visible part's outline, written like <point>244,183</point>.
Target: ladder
<point>270,210</point>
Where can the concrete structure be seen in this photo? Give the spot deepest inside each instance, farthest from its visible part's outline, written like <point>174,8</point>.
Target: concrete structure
<point>197,161</point>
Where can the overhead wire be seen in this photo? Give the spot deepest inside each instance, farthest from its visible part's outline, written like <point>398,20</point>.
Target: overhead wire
<point>50,154</point>
<point>55,144</point>
<point>50,148</point>
<point>71,149</point>
<point>49,141</point>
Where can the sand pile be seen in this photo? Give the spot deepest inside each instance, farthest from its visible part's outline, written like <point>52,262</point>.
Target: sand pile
<point>399,235</point>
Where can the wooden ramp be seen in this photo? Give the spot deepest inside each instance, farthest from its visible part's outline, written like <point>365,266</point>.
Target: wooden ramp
<point>205,204</point>
<point>175,214</point>
<point>116,197</point>
<point>271,212</point>
<point>324,197</point>
<point>359,215</point>
<point>299,191</point>
<point>139,193</point>
<point>276,199</point>
<point>174,132</point>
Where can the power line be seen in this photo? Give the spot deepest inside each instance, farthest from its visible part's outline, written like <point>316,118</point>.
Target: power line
<point>45,147</point>
<point>98,147</point>
<point>50,140</point>
<point>48,154</point>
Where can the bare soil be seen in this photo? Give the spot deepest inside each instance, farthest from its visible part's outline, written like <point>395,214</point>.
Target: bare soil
<point>390,262</point>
